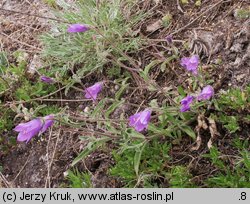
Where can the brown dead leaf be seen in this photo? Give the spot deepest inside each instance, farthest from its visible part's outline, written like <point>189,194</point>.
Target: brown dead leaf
<point>154,26</point>
<point>213,131</point>
<point>198,142</point>
<point>201,125</point>
<point>35,64</point>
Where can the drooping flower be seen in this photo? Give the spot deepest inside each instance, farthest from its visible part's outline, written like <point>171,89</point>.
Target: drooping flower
<point>93,91</point>
<point>191,64</point>
<point>169,39</point>
<point>32,128</point>
<point>47,80</point>
<point>185,103</point>
<point>140,120</point>
<point>206,93</point>
<point>77,28</point>
<point>28,130</point>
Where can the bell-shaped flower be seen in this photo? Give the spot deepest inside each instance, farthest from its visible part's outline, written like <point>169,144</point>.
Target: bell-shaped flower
<point>206,93</point>
<point>78,28</point>
<point>191,64</point>
<point>140,120</point>
<point>92,91</point>
<point>185,103</point>
<point>34,127</point>
<point>28,130</point>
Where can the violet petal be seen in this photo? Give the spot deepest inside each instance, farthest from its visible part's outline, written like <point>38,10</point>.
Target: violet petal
<point>206,93</point>
<point>185,102</point>
<point>47,79</point>
<point>191,64</point>
<point>92,91</point>
<point>76,28</point>
<point>28,130</point>
<point>140,120</point>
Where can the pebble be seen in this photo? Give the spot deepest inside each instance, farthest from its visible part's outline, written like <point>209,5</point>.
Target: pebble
<point>117,87</point>
<point>86,109</point>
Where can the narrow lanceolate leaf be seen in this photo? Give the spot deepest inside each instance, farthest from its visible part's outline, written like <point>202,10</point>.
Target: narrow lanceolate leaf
<point>98,108</point>
<point>111,108</point>
<point>189,131</point>
<point>167,62</point>
<point>181,91</point>
<point>90,148</point>
<point>137,158</point>
<point>159,130</point>
<point>145,72</point>
<point>135,134</point>
<point>124,85</point>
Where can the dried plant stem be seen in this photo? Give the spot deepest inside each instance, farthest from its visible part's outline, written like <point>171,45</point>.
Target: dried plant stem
<point>30,14</point>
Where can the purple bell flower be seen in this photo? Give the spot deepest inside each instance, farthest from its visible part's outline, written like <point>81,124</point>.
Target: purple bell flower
<point>34,127</point>
<point>28,130</point>
<point>93,91</point>
<point>47,80</point>
<point>77,28</point>
<point>140,120</point>
<point>185,103</point>
<point>206,93</point>
<point>191,64</point>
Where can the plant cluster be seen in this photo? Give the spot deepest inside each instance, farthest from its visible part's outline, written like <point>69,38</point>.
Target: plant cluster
<point>143,137</point>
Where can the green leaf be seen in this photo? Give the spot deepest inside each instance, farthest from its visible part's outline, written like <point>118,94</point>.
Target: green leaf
<point>134,134</point>
<point>166,20</point>
<point>3,59</point>
<point>246,158</point>
<point>113,107</point>
<point>98,108</point>
<point>166,62</point>
<point>159,130</point>
<point>137,158</point>
<point>92,146</point>
<point>150,65</point>
<point>181,91</point>
<point>146,70</point>
<point>214,155</point>
<point>184,1</point>
<point>153,103</point>
<point>189,131</point>
<point>152,88</point>
<point>122,89</point>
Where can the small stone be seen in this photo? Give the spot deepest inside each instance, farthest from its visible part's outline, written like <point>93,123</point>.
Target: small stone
<point>117,87</point>
<point>65,174</point>
<point>86,109</point>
